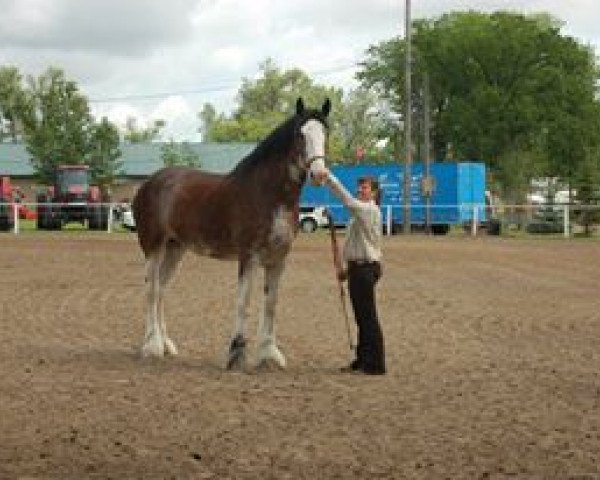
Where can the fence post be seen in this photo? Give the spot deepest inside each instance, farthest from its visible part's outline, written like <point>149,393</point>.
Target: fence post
<point>566,221</point>
<point>475,219</point>
<point>389,220</point>
<point>110,218</point>
<point>15,208</point>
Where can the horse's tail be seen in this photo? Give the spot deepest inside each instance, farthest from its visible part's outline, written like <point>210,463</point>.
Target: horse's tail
<point>145,208</point>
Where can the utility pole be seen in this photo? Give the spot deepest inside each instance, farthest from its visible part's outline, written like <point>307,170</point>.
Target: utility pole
<point>407,123</point>
<point>427,180</point>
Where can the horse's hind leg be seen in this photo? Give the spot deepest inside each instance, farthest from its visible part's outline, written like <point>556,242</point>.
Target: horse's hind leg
<point>267,347</point>
<point>168,266</point>
<point>237,349</point>
<point>160,267</point>
<point>154,344</point>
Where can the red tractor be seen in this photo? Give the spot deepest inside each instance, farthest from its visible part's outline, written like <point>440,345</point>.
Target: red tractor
<point>72,198</point>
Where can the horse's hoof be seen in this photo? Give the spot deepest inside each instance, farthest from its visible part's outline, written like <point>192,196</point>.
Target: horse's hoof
<point>237,360</point>
<point>237,353</point>
<point>269,365</point>
<point>170,347</point>
<point>271,354</point>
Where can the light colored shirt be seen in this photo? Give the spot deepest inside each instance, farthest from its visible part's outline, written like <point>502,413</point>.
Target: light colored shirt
<point>363,234</point>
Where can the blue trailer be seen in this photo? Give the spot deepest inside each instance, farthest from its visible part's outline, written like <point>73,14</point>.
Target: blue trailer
<point>458,193</point>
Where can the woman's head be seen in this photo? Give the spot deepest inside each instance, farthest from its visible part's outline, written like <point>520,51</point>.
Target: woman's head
<point>368,190</point>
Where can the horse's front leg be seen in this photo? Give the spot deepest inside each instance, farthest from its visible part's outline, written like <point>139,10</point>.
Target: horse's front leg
<point>267,347</point>
<point>237,349</point>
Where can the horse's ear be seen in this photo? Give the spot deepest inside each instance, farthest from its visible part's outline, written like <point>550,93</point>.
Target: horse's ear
<point>326,107</point>
<point>299,106</point>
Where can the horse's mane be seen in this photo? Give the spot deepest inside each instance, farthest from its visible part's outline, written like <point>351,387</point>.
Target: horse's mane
<point>277,144</point>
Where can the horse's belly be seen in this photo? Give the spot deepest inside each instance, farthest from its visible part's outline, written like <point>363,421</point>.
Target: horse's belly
<point>220,252</point>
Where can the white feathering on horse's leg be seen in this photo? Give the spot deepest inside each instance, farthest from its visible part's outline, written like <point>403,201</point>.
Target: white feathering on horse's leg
<point>154,344</point>
<point>237,348</point>
<point>267,347</point>
<point>170,347</point>
<point>168,266</point>
<point>269,352</point>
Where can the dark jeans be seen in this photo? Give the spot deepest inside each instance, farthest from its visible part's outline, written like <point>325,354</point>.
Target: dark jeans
<point>370,352</point>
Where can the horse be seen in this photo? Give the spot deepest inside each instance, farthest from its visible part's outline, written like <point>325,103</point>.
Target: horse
<point>249,215</point>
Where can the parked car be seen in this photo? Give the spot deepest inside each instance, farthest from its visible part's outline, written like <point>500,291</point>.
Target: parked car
<point>312,218</point>
<point>127,219</point>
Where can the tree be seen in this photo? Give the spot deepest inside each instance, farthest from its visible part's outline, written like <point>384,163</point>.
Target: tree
<point>12,103</point>
<point>105,153</point>
<point>264,103</point>
<point>505,88</point>
<point>207,116</point>
<point>135,134</point>
<point>59,130</point>
<point>363,124</point>
<point>57,123</point>
<point>173,154</point>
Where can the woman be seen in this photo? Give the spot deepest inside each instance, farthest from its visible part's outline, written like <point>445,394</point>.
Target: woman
<point>362,254</point>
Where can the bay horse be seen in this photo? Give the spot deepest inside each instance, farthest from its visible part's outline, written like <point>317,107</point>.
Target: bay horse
<point>249,215</point>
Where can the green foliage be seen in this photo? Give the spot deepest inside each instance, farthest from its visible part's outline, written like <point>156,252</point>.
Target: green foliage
<point>361,126</point>
<point>59,130</point>
<point>183,154</point>
<point>266,102</point>
<point>105,153</point>
<point>57,123</point>
<point>207,117</point>
<point>135,134</point>
<point>12,103</point>
<point>505,88</point>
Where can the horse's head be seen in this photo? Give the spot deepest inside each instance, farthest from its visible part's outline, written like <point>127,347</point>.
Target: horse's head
<point>312,128</point>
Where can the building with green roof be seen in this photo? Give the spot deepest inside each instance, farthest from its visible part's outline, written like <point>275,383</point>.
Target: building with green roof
<point>140,160</point>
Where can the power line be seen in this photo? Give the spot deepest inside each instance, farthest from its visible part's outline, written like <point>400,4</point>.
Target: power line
<point>230,85</point>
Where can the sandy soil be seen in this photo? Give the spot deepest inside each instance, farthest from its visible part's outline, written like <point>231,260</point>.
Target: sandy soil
<point>493,357</point>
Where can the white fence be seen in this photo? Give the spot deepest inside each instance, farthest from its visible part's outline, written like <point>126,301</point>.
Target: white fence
<point>11,213</point>
<point>535,219</point>
<point>565,220</point>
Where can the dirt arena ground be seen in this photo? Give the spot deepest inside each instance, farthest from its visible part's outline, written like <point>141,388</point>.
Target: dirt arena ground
<point>493,354</point>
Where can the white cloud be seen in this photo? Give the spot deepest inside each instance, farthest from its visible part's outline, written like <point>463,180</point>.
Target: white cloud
<point>181,120</point>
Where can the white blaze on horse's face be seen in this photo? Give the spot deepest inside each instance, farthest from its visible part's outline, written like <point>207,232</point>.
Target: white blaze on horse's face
<point>314,138</point>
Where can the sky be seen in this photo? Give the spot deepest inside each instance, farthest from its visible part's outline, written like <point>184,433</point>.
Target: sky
<point>156,59</point>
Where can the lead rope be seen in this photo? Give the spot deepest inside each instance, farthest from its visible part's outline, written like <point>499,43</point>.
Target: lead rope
<point>337,264</point>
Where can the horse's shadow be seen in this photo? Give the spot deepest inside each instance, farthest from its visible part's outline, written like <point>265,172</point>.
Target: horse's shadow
<point>129,359</point>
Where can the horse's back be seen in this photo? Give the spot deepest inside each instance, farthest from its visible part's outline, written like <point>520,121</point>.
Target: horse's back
<point>161,195</point>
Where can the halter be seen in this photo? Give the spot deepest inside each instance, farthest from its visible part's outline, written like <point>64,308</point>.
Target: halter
<point>309,161</point>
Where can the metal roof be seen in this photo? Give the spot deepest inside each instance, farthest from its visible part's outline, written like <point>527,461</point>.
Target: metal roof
<point>139,159</point>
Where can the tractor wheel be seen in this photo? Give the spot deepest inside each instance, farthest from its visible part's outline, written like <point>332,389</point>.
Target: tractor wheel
<point>56,223</point>
<point>95,218</point>
<point>42,212</point>
<point>6,223</point>
<point>92,223</point>
<point>103,218</point>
